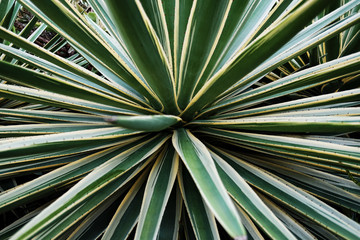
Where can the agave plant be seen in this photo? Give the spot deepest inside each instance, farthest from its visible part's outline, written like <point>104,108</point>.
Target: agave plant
<point>181,119</point>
